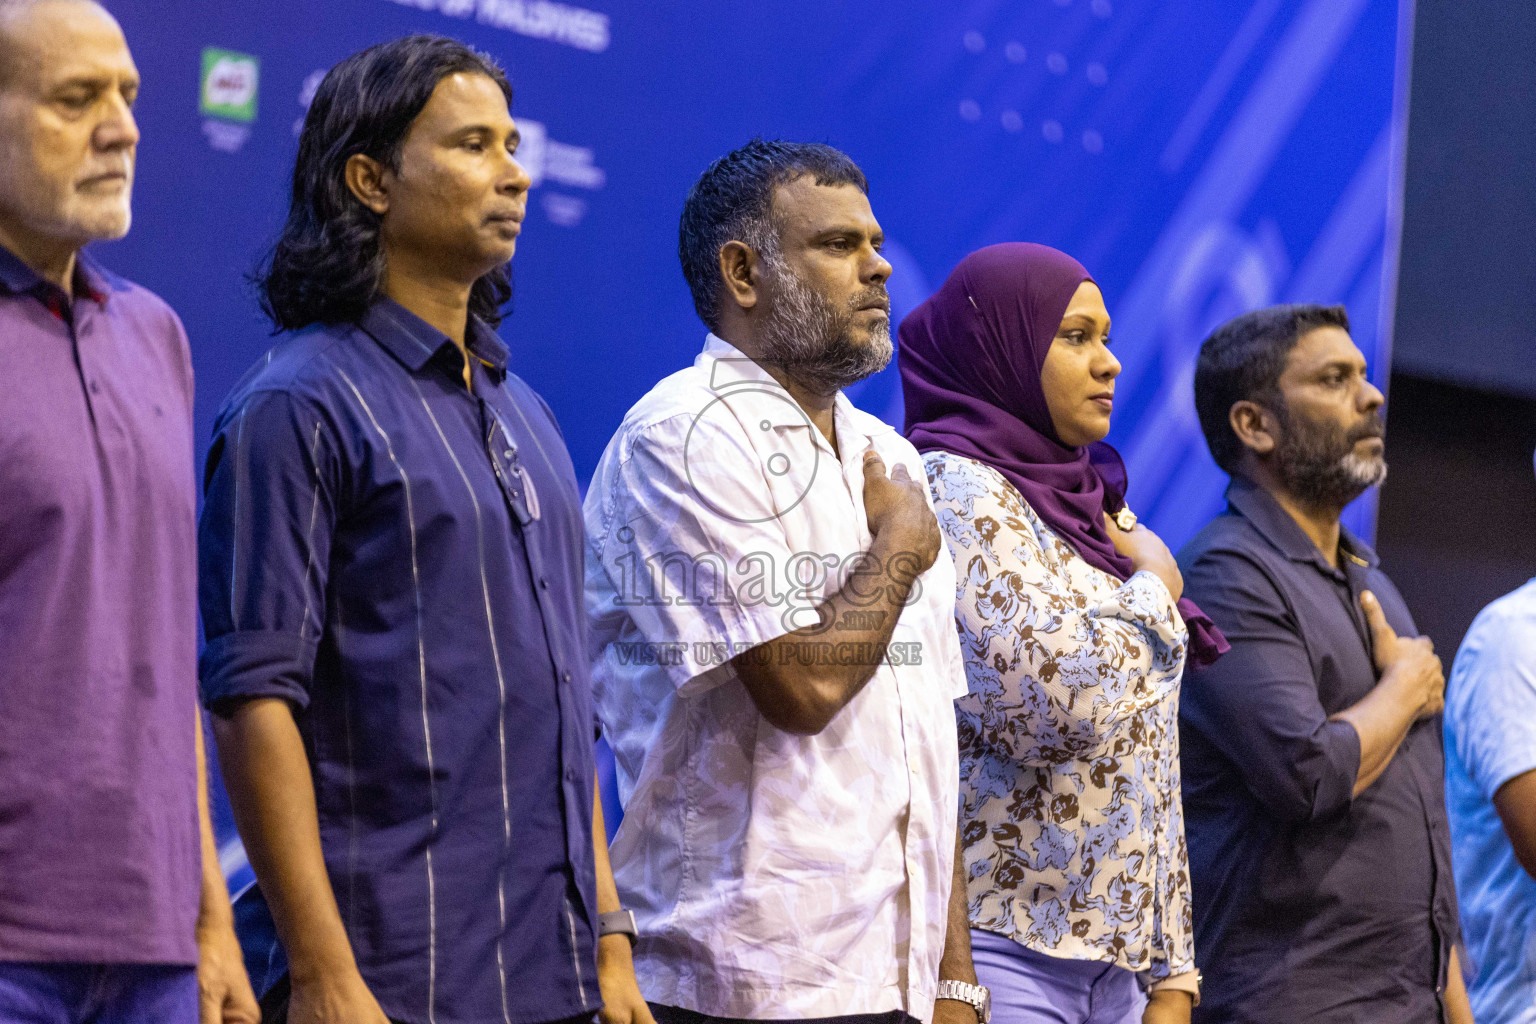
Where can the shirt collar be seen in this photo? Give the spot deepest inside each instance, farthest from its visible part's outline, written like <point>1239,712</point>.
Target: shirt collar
<point>18,278</point>
<point>729,367</point>
<point>1275,524</point>
<point>486,345</point>
<point>414,342</point>
<point>90,280</point>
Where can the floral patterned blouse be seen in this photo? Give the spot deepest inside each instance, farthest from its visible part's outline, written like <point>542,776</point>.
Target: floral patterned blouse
<point>1069,747</point>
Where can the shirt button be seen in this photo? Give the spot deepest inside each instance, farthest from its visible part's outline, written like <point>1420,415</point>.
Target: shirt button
<point>95,388</point>
<point>912,764</point>
<point>570,775</point>
<point>543,583</point>
<point>507,454</point>
<point>566,677</point>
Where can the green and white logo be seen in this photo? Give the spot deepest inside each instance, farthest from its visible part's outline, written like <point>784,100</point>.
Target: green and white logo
<point>229,85</point>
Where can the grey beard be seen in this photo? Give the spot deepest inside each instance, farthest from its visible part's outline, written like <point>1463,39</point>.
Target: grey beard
<point>811,340</point>
<point>1318,464</point>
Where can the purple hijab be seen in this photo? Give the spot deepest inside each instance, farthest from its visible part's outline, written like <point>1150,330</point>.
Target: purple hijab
<point>970,359</point>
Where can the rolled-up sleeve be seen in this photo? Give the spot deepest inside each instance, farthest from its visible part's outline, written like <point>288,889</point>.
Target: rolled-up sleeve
<point>1490,708</point>
<point>1258,704</point>
<point>264,549</point>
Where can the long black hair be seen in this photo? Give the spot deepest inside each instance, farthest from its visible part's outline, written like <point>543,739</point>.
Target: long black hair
<point>327,265</point>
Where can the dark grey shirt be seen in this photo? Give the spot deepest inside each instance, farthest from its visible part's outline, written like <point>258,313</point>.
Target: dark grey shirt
<point>1309,905</point>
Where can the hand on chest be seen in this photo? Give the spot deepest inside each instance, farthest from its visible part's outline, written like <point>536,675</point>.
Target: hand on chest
<point>1332,625</point>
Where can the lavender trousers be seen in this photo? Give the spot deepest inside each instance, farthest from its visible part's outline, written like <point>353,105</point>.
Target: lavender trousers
<point>1032,988</point>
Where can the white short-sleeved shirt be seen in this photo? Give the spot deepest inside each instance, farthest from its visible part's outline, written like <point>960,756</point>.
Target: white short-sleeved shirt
<point>772,875</point>
<point>1490,738</point>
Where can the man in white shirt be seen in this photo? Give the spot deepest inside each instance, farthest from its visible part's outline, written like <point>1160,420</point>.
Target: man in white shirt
<point>775,653</point>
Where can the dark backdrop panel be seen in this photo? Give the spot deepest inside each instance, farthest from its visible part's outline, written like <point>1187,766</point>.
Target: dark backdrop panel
<point>1467,305</point>
<point>1457,507</point>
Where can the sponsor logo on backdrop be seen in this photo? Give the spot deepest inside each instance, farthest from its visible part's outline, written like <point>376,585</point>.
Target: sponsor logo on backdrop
<point>549,161</point>
<point>227,97</point>
<point>537,19</point>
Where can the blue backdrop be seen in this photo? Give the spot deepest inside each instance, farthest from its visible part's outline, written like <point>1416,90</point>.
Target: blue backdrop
<point>1201,157</point>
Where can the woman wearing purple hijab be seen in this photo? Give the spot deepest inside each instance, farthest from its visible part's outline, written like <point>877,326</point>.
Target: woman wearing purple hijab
<point>1074,639</point>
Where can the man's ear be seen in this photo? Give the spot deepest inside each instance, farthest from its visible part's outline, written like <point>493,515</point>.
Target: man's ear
<point>365,176</point>
<point>742,275</point>
<point>1254,425</point>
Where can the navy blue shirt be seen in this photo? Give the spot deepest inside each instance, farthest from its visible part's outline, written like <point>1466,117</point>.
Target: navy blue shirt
<point>401,559</point>
<point>1310,904</point>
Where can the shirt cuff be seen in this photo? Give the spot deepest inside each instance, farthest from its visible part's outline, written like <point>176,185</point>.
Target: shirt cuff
<point>1147,597</point>
<point>703,662</point>
<point>249,665</point>
<point>1187,981</point>
<point>1512,765</point>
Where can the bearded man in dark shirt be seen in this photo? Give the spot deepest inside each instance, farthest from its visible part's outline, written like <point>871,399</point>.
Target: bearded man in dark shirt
<point>1313,772</point>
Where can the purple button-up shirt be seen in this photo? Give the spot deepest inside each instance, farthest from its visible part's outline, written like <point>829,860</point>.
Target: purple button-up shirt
<point>99,855</point>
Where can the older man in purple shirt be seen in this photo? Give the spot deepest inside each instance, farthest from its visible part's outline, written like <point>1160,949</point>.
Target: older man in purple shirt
<point>112,907</point>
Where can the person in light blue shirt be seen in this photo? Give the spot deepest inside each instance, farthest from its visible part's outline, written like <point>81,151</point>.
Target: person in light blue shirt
<point>1490,763</point>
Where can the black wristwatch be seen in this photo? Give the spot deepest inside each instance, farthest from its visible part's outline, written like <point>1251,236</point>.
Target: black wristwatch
<point>618,922</point>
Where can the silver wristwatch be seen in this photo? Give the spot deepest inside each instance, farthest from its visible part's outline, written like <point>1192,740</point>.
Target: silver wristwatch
<point>618,922</point>
<point>979,997</point>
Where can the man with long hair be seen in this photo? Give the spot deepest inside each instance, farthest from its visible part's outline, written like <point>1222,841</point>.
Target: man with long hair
<point>774,620</point>
<point>391,556</point>
<point>112,904</point>
<point>1313,774</point>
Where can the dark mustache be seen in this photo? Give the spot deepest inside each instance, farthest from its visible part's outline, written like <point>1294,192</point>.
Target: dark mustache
<point>1373,427</point>
<point>869,297</point>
